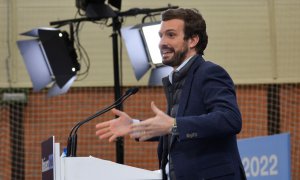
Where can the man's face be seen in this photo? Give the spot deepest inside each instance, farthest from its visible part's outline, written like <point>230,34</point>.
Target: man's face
<point>173,48</point>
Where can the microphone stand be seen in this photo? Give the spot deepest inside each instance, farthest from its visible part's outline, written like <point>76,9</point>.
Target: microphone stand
<point>72,139</point>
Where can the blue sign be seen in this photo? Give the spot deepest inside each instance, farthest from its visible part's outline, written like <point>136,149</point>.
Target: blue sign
<point>266,158</point>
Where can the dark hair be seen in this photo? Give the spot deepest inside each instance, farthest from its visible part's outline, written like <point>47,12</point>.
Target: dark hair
<point>194,24</point>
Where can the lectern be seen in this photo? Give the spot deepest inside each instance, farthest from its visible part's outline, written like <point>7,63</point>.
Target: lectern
<point>55,167</point>
<point>82,168</point>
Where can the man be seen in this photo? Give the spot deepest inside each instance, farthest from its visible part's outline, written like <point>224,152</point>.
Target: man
<point>197,136</point>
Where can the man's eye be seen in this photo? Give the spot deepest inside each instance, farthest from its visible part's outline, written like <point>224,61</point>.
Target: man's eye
<point>171,34</point>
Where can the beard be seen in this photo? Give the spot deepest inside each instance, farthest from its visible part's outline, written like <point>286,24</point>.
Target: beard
<point>177,58</point>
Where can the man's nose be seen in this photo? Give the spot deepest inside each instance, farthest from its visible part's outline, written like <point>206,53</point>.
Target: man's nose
<point>162,42</point>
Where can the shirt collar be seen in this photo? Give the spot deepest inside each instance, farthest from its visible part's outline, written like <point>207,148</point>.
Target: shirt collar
<point>179,67</point>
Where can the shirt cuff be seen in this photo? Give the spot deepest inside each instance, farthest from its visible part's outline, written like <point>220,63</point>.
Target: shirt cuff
<point>135,121</point>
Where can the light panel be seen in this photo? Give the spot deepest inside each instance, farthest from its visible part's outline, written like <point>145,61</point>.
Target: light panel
<point>49,58</point>
<point>151,40</point>
<point>36,63</point>
<point>136,51</point>
<point>142,44</point>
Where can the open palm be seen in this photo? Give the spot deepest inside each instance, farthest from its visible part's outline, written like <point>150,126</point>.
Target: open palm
<point>114,128</point>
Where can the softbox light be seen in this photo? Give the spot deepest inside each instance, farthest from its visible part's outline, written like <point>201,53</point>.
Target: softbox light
<point>151,40</point>
<point>49,58</point>
<point>142,42</point>
<point>98,8</point>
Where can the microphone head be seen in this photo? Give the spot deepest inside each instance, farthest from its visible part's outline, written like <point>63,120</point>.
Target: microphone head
<point>132,90</point>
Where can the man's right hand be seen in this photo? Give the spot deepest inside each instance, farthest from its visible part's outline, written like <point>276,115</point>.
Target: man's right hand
<point>114,128</point>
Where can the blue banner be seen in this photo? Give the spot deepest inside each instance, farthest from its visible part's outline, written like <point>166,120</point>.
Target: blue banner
<point>266,158</point>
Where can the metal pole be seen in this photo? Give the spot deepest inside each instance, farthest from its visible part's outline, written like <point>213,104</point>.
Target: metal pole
<point>117,83</point>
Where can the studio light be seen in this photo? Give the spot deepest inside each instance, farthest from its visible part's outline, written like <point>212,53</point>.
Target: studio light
<point>151,39</point>
<point>97,8</point>
<point>50,58</point>
<point>142,47</point>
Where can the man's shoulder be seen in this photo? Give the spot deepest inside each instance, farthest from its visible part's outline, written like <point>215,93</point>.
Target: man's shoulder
<point>208,68</point>
<point>207,64</point>
<point>200,61</point>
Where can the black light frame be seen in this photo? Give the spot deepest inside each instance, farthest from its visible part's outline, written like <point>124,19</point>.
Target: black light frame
<point>49,58</point>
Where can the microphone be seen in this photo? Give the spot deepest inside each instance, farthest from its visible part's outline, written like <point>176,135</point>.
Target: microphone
<point>72,139</point>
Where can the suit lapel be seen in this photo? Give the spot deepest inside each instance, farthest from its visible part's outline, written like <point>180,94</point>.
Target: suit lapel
<point>187,85</point>
<point>187,89</point>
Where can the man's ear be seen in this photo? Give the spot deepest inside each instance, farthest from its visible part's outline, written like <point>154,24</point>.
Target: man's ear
<point>193,41</point>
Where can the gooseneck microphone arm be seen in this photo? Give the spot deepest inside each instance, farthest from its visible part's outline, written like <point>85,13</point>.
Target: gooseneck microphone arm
<point>72,139</point>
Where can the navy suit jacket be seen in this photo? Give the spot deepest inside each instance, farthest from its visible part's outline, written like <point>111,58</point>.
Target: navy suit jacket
<point>208,120</point>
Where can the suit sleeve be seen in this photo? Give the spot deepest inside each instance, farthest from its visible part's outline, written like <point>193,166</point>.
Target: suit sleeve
<point>212,109</point>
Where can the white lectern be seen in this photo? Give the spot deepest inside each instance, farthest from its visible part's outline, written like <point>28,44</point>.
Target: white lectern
<point>55,167</point>
<point>91,168</point>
